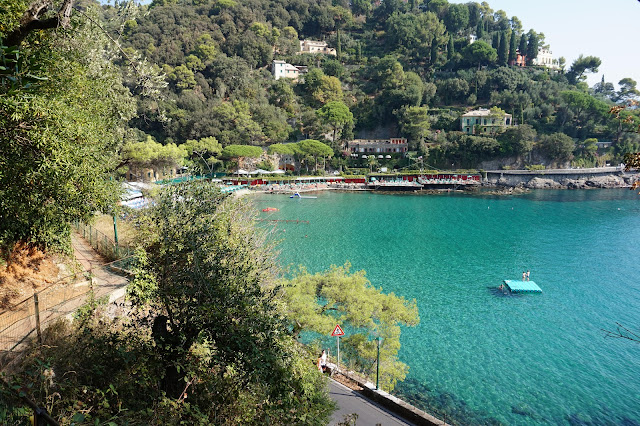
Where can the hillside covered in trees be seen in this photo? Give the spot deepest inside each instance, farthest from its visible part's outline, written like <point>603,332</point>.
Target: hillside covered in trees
<point>406,69</point>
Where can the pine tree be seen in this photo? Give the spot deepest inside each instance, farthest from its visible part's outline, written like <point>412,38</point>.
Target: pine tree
<point>450,48</point>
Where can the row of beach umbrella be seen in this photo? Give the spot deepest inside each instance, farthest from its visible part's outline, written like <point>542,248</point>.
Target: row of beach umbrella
<point>260,172</point>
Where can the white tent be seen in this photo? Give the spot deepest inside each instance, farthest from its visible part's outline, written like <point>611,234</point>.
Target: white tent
<point>277,172</point>
<point>242,172</point>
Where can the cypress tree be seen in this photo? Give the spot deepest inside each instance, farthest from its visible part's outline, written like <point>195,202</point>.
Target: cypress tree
<point>338,46</point>
<point>359,52</point>
<point>503,50</point>
<point>532,47</point>
<point>495,41</point>
<point>513,46</point>
<point>450,48</point>
<point>523,45</point>
<point>479,30</point>
<point>434,50</point>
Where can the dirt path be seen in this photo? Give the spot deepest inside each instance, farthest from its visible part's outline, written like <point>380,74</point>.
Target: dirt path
<point>63,297</point>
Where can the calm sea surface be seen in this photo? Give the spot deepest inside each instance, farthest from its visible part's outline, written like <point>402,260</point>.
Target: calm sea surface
<point>477,355</point>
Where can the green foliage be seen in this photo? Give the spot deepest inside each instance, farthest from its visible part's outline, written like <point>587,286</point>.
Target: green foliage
<point>235,124</point>
<point>282,149</point>
<point>513,45</point>
<point>317,302</point>
<point>151,154</point>
<point>59,138</point>
<point>322,88</point>
<point>457,17</point>
<point>209,275</point>
<point>241,151</point>
<point>414,34</point>
<point>628,91</point>
<point>414,124</point>
<point>336,114</point>
<point>390,57</point>
<point>517,140</point>
<point>480,53</point>
<point>557,146</point>
<point>532,47</point>
<point>18,72</point>
<point>203,153</point>
<point>580,66</point>
<point>314,149</point>
<point>503,49</point>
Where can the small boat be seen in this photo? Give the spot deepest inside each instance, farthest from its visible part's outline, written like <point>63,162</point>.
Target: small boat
<point>270,209</point>
<point>297,195</point>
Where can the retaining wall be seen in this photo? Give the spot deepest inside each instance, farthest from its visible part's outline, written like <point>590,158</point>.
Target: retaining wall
<point>559,176</point>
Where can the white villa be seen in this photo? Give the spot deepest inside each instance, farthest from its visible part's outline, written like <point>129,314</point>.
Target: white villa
<point>545,59</point>
<point>281,69</point>
<point>314,46</point>
<point>481,121</point>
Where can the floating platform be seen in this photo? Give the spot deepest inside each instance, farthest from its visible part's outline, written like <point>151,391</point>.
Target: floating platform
<point>522,286</point>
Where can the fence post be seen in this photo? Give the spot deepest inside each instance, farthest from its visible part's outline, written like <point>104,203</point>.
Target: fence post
<point>115,234</point>
<point>90,236</point>
<point>37,312</point>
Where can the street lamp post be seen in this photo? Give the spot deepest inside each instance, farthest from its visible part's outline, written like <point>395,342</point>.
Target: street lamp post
<point>378,364</point>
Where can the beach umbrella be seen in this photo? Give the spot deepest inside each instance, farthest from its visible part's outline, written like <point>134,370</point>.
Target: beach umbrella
<point>380,156</point>
<point>388,157</point>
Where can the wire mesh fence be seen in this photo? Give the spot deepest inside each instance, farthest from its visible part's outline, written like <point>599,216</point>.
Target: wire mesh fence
<point>103,244</point>
<point>58,299</point>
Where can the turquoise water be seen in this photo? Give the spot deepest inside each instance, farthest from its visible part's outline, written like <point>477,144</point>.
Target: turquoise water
<point>478,355</point>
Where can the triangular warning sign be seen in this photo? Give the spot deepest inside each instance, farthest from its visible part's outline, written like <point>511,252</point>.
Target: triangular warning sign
<point>337,331</point>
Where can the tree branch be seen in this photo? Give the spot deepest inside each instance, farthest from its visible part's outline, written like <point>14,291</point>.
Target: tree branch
<point>31,21</point>
<point>622,333</point>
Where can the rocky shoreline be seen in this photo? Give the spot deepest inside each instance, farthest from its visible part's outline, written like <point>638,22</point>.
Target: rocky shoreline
<point>575,178</point>
<point>596,182</point>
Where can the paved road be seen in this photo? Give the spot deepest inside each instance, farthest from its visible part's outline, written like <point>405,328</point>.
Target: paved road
<point>369,413</point>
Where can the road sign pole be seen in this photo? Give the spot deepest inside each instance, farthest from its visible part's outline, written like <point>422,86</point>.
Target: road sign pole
<point>338,340</point>
<point>337,332</point>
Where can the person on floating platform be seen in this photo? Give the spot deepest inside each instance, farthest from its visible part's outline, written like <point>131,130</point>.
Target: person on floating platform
<point>528,274</point>
<point>524,275</point>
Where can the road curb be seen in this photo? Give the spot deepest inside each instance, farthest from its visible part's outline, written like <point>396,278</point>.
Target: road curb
<point>390,402</point>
